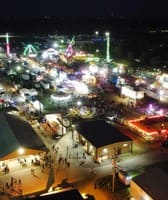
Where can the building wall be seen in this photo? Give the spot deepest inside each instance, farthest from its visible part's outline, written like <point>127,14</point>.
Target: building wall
<point>87,146</point>
<point>137,193</point>
<point>130,92</point>
<point>107,151</point>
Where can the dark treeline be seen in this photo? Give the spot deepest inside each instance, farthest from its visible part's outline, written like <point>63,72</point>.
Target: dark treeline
<point>65,26</point>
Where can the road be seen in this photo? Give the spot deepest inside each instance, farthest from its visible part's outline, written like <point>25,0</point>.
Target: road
<point>144,155</point>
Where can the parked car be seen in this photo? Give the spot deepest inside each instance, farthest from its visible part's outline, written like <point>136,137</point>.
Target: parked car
<point>45,84</point>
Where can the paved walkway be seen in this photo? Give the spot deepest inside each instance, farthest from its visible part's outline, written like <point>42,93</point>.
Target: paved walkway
<point>71,168</point>
<point>78,173</point>
<point>82,172</point>
<point>24,182</point>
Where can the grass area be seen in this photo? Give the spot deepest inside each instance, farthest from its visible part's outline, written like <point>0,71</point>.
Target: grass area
<point>105,183</point>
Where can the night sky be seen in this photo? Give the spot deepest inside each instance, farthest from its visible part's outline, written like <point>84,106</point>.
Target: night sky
<point>84,8</point>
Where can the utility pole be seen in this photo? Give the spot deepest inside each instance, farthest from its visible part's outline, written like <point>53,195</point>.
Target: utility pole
<point>39,109</point>
<point>113,179</point>
<point>114,169</point>
<point>62,124</point>
<point>72,130</point>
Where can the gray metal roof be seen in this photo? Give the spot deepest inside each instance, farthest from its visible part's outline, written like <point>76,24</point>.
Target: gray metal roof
<point>15,133</point>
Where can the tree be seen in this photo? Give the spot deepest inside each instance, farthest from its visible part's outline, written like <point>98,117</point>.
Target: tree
<point>155,61</point>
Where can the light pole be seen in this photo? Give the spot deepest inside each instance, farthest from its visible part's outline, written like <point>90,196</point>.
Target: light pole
<point>19,73</point>
<point>96,33</point>
<point>107,34</point>
<point>7,45</point>
<point>113,181</point>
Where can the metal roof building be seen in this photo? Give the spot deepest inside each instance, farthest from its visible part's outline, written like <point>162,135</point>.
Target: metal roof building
<point>151,185</point>
<point>16,133</point>
<point>102,140</point>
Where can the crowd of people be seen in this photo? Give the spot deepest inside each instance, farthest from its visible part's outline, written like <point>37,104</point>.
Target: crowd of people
<point>12,188</point>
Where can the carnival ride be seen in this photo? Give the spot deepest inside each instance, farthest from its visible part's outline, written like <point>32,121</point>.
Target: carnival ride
<point>30,51</point>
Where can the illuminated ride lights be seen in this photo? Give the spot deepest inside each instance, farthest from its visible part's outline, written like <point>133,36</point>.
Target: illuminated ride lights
<point>49,53</point>
<point>79,55</point>
<point>29,50</point>
<point>107,46</point>
<point>148,133</point>
<point>80,87</point>
<point>7,45</point>
<point>61,97</point>
<point>69,50</point>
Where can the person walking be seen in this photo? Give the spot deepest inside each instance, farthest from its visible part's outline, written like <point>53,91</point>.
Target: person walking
<point>20,181</point>
<point>32,171</point>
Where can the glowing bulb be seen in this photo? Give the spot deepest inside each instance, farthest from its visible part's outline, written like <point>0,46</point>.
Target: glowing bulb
<point>21,151</point>
<point>97,32</point>
<point>107,33</point>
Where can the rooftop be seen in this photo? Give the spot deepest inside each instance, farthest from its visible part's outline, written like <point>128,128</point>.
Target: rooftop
<point>16,133</point>
<point>100,133</point>
<point>65,195</point>
<point>154,182</point>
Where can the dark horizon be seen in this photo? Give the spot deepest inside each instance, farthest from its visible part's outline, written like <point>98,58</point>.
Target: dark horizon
<point>86,9</point>
<point>83,18</point>
<point>43,25</point>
